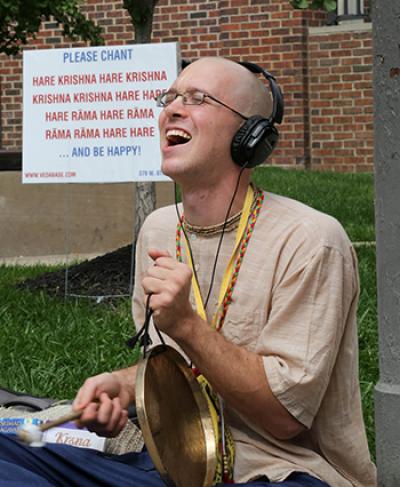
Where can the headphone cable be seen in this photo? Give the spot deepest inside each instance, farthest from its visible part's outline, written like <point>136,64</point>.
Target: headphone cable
<point>220,239</point>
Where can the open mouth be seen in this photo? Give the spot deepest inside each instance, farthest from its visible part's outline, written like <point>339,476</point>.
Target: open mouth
<point>177,137</point>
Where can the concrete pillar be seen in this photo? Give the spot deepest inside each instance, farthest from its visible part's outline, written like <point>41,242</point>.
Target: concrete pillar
<point>386,35</point>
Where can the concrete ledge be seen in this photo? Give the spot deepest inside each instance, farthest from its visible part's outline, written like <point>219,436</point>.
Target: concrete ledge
<point>46,259</point>
<point>347,26</point>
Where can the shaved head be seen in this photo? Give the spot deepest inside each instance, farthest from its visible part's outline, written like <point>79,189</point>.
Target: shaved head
<point>236,85</point>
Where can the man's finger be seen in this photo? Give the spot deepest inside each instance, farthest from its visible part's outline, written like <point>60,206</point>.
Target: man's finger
<point>115,415</point>
<point>152,285</point>
<point>85,395</point>
<point>89,391</point>
<point>158,272</point>
<point>156,253</point>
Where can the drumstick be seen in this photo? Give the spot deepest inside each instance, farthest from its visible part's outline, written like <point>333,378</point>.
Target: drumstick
<point>33,434</point>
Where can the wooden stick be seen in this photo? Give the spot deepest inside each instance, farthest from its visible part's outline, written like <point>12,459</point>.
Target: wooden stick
<point>72,416</point>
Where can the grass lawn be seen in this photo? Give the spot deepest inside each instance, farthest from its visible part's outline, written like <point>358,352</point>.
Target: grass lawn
<point>347,197</point>
<point>48,346</point>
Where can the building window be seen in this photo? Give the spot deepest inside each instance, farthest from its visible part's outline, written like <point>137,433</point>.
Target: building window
<point>348,10</point>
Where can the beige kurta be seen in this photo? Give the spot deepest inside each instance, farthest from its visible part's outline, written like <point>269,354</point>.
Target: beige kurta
<point>295,304</point>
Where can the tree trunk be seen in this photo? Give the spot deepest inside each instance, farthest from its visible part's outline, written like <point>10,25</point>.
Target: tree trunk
<point>141,12</point>
<point>142,20</point>
<point>145,201</point>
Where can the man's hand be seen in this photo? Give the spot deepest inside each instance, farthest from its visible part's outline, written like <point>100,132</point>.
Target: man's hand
<point>104,401</point>
<point>169,282</point>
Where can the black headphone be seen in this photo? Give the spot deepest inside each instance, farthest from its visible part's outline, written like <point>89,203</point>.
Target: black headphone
<point>254,142</point>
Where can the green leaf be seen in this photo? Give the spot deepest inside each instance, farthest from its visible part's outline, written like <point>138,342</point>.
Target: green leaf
<point>21,20</point>
<point>300,4</point>
<point>317,4</point>
<point>330,5</point>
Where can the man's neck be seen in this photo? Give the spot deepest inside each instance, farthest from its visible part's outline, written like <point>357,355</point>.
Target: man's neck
<point>208,206</point>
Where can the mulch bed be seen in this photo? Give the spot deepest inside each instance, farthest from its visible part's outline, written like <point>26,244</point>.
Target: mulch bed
<point>103,277</point>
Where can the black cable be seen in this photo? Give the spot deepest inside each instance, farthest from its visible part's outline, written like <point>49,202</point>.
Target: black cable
<point>143,335</point>
<point>221,238</point>
<point>145,340</point>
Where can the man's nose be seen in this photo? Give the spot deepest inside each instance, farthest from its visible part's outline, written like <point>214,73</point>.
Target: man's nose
<point>176,107</point>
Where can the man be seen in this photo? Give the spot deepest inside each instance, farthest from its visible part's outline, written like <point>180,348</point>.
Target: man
<point>282,350</point>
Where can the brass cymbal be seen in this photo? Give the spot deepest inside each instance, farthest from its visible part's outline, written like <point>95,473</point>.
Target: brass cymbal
<point>175,419</point>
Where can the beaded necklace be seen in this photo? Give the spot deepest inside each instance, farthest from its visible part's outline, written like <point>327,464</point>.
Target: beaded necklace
<point>232,271</point>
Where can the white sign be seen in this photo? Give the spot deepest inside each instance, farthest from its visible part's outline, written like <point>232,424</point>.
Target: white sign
<point>81,438</point>
<point>90,114</point>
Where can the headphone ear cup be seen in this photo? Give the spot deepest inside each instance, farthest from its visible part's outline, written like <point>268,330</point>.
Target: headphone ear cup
<point>237,151</point>
<point>254,142</point>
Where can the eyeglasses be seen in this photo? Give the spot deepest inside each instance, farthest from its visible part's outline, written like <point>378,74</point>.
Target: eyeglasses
<point>191,98</point>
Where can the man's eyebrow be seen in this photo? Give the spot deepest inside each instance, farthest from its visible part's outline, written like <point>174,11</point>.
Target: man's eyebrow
<point>188,90</point>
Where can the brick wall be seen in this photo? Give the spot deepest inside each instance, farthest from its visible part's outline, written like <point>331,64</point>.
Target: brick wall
<point>341,99</point>
<point>268,32</point>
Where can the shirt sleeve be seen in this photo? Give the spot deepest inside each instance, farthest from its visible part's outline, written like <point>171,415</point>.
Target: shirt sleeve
<point>141,263</point>
<point>309,311</point>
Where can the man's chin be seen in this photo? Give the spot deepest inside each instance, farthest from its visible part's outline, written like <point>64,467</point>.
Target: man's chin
<point>172,168</point>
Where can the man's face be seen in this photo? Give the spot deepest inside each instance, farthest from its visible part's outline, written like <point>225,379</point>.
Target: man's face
<point>196,139</point>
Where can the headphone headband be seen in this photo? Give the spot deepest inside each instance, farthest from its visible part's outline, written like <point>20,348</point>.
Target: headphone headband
<point>277,109</point>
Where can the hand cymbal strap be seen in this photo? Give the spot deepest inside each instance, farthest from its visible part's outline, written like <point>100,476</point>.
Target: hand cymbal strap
<point>143,335</point>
